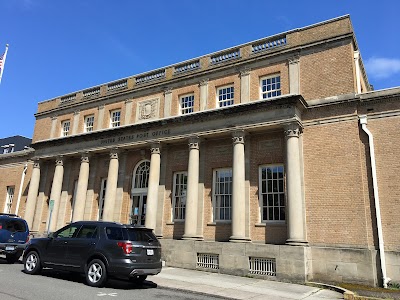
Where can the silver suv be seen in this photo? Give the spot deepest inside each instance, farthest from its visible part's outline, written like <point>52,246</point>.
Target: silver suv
<point>99,250</point>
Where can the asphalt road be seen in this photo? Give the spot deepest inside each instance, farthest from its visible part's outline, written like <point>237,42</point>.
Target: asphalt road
<point>51,285</point>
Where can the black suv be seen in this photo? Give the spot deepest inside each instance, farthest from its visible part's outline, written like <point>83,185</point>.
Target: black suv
<point>99,250</point>
<point>14,235</point>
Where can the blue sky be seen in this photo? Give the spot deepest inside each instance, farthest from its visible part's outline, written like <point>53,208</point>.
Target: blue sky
<point>58,47</point>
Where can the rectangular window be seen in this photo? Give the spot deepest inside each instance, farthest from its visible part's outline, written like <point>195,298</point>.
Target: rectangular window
<point>270,86</point>
<point>102,196</point>
<point>115,118</point>
<point>89,123</point>
<point>272,193</point>
<point>65,125</point>
<point>225,96</point>
<point>187,104</point>
<point>179,195</point>
<point>9,199</point>
<point>222,194</point>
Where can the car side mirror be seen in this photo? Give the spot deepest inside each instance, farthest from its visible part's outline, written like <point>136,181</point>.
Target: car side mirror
<point>51,235</point>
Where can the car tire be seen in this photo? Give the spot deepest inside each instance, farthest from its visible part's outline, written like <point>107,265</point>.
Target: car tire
<point>32,263</point>
<point>139,279</point>
<point>12,258</point>
<point>96,273</point>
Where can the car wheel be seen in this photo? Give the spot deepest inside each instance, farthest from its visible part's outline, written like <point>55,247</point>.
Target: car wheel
<point>96,273</point>
<point>32,264</point>
<point>12,258</point>
<point>139,279</point>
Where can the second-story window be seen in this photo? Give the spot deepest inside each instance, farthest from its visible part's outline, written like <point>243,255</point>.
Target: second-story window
<point>89,123</point>
<point>115,118</point>
<point>270,86</point>
<point>186,104</point>
<point>225,96</point>
<point>65,125</point>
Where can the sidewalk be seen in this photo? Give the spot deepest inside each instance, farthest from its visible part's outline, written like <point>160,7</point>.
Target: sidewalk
<point>235,287</point>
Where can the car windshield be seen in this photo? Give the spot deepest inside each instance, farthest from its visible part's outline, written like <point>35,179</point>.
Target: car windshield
<point>140,235</point>
<point>13,225</point>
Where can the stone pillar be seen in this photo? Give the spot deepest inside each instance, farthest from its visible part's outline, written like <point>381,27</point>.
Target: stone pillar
<point>32,194</point>
<point>203,94</point>
<point>100,118</point>
<point>55,193</point>
<point>294,75</point>
<point>192,193</point>
<point>244,86</point>
<point>358,72</point>
<point>80,198</point>
<point>295,209</point>
<point>111,190</point>
<point>238,189</point>
<point>167,102</point>
<point>128,111</point>
<point>75,124</point>
<point>53,127</point>
<point>154,180</point>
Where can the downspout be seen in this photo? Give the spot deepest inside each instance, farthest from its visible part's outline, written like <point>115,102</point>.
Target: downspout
<point>20,188</point>
<point>363,122</point>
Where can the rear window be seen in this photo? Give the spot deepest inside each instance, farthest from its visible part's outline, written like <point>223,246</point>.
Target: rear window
<point>114,233</point>
<point>13,225</point>
<point>140,235</point>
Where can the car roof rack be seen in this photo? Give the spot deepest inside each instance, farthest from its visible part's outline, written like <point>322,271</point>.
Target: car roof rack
<point>10,215</point>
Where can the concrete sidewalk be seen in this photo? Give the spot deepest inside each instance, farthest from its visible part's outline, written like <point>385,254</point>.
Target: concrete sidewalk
<point>235,287</point>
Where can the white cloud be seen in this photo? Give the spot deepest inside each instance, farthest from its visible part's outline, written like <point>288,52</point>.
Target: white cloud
<point>380,67</point>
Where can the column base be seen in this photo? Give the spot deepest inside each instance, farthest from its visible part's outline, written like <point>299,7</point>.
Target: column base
<point>193,238</point>
<point>296,242</point>
<point>239,239</point>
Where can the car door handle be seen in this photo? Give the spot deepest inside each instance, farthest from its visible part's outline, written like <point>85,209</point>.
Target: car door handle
<point>65,242</point>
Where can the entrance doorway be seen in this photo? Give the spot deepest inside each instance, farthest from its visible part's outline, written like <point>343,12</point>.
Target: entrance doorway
<point>138,210</point>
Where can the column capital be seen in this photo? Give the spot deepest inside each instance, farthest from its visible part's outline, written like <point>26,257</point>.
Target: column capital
<point>244,72</point>
<point>77,112</point>
<point>128,101</point>
<point>59,161</point>
<point>114,154</point>
<point>292,130</point>
<point>194,142</point>
<point>238,137</point>
<point>85,157</point>
<point>155,148</point>
<point>54,117</point>
<point>203,82</point>
<point>36,163</point>
<point>101,107</point>
<point>167,91</point>
<point>294,59</point>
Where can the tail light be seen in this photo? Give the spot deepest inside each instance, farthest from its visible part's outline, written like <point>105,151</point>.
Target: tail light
<point>27,238</point>
<point>126,246</point>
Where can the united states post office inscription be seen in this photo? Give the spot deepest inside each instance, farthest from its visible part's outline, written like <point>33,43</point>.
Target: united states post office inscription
<point>135,137</point>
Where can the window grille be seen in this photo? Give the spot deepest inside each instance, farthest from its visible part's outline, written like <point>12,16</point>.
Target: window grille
<point>270,87</point>
<point>65,128</point>
<point>187,104</point>
<point>142,175</point>
<point>225,96</point>
<point>222,194</point>
<point>115,118</point>
<point>272,192</point>
<point>89,123</point>
<point>180,186</point>
<point>262,266</point>
<point>207,261</point>
<point>9,200</point>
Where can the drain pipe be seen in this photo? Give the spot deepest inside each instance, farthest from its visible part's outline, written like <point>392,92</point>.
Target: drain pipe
<point>363,122</point>
<point>20,188</point>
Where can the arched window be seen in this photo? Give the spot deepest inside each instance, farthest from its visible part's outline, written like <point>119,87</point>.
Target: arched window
<point>141,179</point>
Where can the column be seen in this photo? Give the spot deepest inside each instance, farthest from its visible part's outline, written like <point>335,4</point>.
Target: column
<point>294,75</point>
<point>152,194</point>
<point>75,124</point>
<point>53,127</point>
<point>203,94</point>
<point>295,203</point>
<point>32,194</point>
<point>167,102</point>
<point>56,193</point>
<point>245,86</point>
<point>192,191</point>
<point>128,111</point>
<point>100,118</point>
<point>238,189</point>
<point>80,198</point>
<point>111,190</point>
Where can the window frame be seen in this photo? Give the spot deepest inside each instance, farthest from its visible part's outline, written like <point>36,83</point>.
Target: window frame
<point>261,193</point>
<point>232,93</point>
<point>277,90</point>
<point>113,121</point>
<point>188,109</point>
<point>85,126</point>
<point>9,199</point>
<point>65,132</point>
<point>216,200</point>
<point>182,197</point>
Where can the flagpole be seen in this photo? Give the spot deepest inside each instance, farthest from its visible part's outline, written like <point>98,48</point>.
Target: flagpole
<point>4,62</point>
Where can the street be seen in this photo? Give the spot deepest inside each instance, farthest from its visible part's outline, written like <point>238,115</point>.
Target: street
<point>50,285</point>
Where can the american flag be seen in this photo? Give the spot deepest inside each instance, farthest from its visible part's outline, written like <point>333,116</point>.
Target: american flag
<point>2,62</point>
